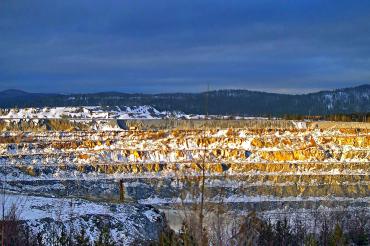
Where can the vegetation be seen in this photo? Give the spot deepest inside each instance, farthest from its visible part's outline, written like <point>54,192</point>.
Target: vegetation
<point>221,102</point>
<point>336,229</point>
<point>316,227</point>
<point>356,117</point>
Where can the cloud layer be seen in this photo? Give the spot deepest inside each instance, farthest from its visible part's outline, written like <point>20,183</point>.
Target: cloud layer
<point>164,46</point>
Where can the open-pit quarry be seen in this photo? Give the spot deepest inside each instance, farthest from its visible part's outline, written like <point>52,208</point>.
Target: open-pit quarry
<point>268,166</point>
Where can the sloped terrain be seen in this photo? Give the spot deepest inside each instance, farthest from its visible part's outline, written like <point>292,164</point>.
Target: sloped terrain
<point>97,112</point>
<point>301,166</point>
<point>221,102</point>
<point>48,218</point>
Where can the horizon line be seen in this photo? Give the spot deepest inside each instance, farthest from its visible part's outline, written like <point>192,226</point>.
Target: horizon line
<point>199,92</point>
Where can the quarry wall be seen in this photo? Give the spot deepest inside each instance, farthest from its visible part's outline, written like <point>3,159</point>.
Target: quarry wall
<point>167,124</point>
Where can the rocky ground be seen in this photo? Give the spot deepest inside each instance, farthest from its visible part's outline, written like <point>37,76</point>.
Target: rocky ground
<point>47,217</point>
<point>269,169</point>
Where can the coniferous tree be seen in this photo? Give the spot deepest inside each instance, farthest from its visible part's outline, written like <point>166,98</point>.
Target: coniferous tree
<point>283,232</point>
<point>39,239</point>
<point>63,238</point>
<point>267,235</point>
<point>105,238</point>
<point>337,237</point>
<point>82,239</point>
<point>324,233</point>
<point>310,240</point>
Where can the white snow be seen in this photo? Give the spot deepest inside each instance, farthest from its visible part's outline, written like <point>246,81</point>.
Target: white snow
<point>99,112</point>
<point>33,209</point>
<point>87,112</point>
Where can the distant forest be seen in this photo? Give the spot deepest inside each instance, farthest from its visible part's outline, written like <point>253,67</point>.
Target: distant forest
<point>340,104</point>
<point>357,117</point>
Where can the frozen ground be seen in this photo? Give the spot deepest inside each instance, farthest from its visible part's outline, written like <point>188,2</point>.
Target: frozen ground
<point>99,112</point>
<point>129,224</point>
<point>267,169</point>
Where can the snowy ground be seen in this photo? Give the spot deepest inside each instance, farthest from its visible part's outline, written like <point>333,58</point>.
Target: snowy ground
<point>128,223</point>
<point>88,112</point>
<point>99,112</point>
<point>272,169</point>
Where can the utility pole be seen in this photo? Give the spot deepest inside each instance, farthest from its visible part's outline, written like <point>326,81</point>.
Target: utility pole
<point>3,208</point>
<point>201,215</point>
<point>206,97</point>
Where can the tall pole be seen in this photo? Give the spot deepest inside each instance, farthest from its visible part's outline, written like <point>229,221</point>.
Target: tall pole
<point>3,207</point>
<point>201,215</point>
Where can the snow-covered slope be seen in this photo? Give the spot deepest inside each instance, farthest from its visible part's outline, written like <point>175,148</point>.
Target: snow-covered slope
<point>135,112</point>
<point>128,224</point>
<point>269,162</point>
<point>99,112</point>
<point>358,99</point>
<point>266,166</point>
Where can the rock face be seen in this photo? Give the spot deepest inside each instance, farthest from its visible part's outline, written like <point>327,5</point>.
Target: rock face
<point>300,165</point>
<point>49,217</point>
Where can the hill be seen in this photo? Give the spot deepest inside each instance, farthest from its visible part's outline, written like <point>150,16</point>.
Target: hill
<point>220,102</point>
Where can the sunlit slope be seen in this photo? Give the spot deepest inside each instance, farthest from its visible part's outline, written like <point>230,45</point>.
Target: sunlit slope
<point>298,164</point>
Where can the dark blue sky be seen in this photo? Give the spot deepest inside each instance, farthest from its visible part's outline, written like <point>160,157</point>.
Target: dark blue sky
<point>285,46</point>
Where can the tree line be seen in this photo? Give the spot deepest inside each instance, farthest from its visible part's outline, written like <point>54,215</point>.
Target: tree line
<point>354,117</point>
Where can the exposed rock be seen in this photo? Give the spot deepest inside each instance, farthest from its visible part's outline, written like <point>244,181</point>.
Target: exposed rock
<point>128,224</point>
<point>254,167</point>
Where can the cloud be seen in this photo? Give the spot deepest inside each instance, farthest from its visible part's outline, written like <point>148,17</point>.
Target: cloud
<point>159,46</point>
